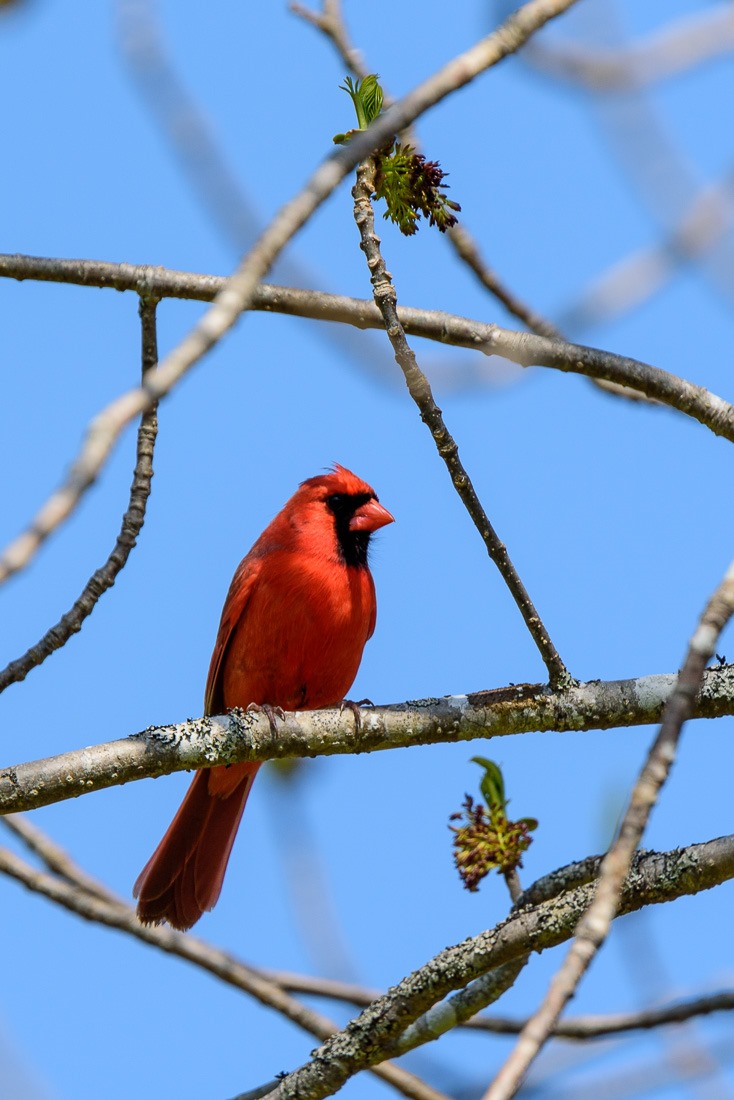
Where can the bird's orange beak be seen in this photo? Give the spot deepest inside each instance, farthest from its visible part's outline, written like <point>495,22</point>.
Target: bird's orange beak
<point>370,516</point>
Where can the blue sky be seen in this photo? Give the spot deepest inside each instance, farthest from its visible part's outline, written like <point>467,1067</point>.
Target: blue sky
<point>617,516</point>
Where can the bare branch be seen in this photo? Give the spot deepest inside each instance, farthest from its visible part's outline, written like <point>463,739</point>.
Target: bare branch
<point>183,123</point>
<point>92,901</point>
<point>575,1028</point>
<point>238,293</point>
<point>188,133</point>
<point>616,1023</point>
<point>56,858</point>
<point>132,523</point>
<point>58,861</point>
<point>376,1032</point>
<point>677,47</point>
<point>490,958</point>
<point>330,21</point>
<point>420,390</point>
<point>466,249</point>
<point>594,926</point>
<point>695,216</point>
<point>523,348</point>
<point>239,737</point>
<point>631,280</point>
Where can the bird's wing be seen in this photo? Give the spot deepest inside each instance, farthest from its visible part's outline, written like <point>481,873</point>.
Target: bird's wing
<point>235,606</point>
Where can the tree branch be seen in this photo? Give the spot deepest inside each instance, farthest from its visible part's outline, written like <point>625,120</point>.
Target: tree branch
<point>330,21</point>
<point>575,1028</point>
<point>375,1034</point>
<point>583,1028</point>
<point>594,927</point>
<point>628,282</point>
<point>239,290</point>
<point>525,349</point>
<point>77,892</point>
<point>132,523</point>
<point>239,737</point>
<point>420,390</point>
<point>678,46</point>
<point>655,878</point>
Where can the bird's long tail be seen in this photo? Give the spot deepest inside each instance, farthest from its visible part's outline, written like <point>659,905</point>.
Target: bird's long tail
<point>183,877</point>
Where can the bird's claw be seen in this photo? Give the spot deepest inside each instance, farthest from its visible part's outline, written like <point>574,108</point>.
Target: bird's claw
<point>270,712</point>
<point>348,704</point>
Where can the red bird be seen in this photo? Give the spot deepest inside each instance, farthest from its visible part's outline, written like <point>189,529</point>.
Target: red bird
<point>298,613</point>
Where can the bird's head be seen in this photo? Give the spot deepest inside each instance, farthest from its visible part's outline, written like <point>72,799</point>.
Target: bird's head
<point>348,507</point>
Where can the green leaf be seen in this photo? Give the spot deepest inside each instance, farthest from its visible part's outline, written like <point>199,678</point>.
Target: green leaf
<point>366,95</point>
<point>492,785</point>
<point>371,95</point>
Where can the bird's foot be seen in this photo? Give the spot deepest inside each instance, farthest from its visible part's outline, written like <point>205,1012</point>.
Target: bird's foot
<point>348,704</point>
<point>271,713</point>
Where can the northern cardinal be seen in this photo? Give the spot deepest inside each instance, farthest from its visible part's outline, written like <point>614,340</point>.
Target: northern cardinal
<point>298,613</point>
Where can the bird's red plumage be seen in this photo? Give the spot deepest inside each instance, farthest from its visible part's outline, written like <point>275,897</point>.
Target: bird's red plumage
<point>298,613</point>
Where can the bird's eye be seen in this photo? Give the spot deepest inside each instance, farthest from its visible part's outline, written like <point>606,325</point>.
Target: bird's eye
<point>344,505</point>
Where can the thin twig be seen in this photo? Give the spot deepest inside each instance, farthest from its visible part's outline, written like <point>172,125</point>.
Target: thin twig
<point>55,858</point>
<point>594,926</point>
<point>187,130</point>
<point>420,390</point>
<point>239,291</point>
<point>523,348</point>
<point>630,281</point>
<point>467,250</point>
<point>514,885</point>
<point>694,217</point>
<point>97,904</point>
<point>330,21</point>
<point>599,1026</point>
<point>677,47</point>
<point>575,1028</point>
<point>238,737</point>
<point>132,522</point>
